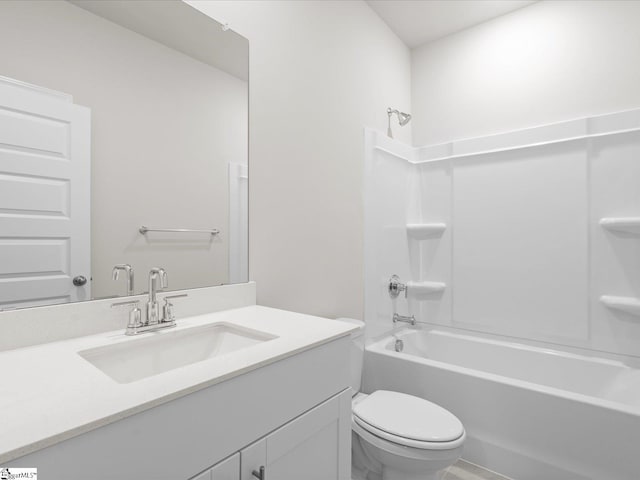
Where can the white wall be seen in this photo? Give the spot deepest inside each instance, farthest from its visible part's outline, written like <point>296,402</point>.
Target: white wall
<point>157,159</point>
<point>391,201</point>
<point>319,72</point>
<point>548,62</point>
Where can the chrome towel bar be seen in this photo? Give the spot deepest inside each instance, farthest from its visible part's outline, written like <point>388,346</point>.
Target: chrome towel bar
<point>143,230</point>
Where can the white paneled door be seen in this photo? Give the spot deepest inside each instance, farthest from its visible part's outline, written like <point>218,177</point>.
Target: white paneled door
<point>44,197</point>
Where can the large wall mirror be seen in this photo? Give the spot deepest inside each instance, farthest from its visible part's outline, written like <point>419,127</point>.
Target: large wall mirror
<point>118,115</point>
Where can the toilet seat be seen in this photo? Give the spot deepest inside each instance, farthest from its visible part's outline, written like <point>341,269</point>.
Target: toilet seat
<point>409,421</point>
<point>407,442</point>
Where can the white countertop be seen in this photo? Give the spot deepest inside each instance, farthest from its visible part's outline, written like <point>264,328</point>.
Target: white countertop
<point>48,393</point>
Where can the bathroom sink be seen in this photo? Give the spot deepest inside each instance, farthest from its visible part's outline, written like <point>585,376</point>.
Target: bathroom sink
<point>160,352</point>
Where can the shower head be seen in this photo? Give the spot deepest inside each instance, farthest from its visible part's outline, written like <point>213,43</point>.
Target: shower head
<point>403,119</point>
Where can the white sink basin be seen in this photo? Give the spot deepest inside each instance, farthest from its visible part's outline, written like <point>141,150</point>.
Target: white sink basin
<point>159,352</point>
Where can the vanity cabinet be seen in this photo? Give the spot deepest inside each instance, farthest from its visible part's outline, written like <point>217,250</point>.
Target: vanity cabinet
<point>291,416</point>
<point>314,446</point>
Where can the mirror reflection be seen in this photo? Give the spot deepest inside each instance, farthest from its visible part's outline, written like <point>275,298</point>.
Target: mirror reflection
<point>123,141</point>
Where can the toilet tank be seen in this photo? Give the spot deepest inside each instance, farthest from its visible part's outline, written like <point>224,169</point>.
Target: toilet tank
<point>357,353</point>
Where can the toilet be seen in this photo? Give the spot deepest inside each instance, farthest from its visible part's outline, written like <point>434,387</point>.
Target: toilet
<point>396,436</point>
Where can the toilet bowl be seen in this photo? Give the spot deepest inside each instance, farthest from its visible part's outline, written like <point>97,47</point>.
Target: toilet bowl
<point>404,437</point>
<point>396,436</point>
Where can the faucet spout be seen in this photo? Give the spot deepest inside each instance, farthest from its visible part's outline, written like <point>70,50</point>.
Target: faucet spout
<point>157,280</point>
<point>411,319</point>
<point>124,267</point>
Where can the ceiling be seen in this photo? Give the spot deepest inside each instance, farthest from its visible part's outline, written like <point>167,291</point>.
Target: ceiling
<point>167,21</point>
<point>417,22</point>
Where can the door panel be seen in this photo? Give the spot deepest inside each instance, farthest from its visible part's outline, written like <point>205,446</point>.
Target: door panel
<point>316,458</point>
<point>228,469</point>
<point>26,130</point>
<point>252,458</point>
<point>22,194</point>
<point>314,446</point>
<point>44,197</point>
<point>20,257</point>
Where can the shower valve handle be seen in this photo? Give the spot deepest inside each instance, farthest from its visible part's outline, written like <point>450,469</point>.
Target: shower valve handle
<point>395,287</point>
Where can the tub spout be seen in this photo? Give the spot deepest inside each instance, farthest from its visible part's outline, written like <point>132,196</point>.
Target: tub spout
<point>401,318</point>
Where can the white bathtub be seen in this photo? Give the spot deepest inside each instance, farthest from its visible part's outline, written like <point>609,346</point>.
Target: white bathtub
<point>531,413</point>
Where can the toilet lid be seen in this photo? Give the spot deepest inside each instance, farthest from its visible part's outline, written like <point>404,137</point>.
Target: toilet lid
<point>409,417</point>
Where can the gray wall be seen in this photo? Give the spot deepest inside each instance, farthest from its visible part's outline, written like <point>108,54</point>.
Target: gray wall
<point>320,71</point>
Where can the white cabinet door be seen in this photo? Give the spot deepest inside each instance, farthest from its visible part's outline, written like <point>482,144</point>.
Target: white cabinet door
<point>203,476</point>
<point>228,469</point>
<point>314,446</point>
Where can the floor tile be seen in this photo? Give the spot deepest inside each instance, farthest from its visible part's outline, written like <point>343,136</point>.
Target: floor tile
<point>462,470</point>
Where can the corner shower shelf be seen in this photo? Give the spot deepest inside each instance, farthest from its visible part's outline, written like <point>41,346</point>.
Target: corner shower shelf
<point>421,231</point>
<point>420,290</point>
<point>626,304</point>
<point>622,224</point>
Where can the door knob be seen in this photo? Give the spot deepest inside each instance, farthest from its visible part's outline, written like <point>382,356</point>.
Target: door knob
<point>80,280</point>
<point>260,475</point>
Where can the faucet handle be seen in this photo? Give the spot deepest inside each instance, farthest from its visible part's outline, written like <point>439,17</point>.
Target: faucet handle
<point>164,279</point>
<point>395,287</point>
<point>180,295</point>
<point>167,309</point>
<point>124,304</point>
<point>135,314</point>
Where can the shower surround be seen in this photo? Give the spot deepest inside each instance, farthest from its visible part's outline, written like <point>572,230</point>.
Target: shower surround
<point>532,337</point>
<point>535,233</point>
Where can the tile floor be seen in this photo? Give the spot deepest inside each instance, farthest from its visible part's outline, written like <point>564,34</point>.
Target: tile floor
<point>462,470</point>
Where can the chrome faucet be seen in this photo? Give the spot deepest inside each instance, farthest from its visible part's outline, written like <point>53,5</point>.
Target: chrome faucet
<point>124,267</point>
<point>156,317</point>
<point>411,319</point>
<point>154,313</point>
<point>394,288</point>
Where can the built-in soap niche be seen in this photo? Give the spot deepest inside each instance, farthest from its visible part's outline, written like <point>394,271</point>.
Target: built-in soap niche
<point>621,224</point>
<point>423,231</point>
<point>421,291</point>
<point>424,290</point>
<point>629,226</point>
<point>630,305</point>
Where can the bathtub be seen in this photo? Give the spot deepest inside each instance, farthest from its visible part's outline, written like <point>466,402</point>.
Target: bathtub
<point>530,413</point>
